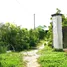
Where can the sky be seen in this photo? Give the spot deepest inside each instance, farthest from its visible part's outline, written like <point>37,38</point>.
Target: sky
<point>21,12</point>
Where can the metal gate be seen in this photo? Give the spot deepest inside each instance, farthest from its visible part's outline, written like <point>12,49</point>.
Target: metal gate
<point>64,30</point>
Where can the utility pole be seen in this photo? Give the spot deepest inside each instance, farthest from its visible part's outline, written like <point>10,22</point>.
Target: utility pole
<point>34,21</point>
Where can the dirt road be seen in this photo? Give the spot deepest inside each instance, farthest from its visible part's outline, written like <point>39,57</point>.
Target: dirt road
<point>31,57</point>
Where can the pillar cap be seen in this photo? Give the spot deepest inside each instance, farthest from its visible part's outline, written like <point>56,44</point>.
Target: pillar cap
<point>56,15</point>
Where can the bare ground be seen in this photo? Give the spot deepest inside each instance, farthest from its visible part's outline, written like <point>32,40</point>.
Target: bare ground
<point>31,57</point>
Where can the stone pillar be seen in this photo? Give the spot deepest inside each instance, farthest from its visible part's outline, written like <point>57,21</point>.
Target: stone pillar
<point>57,31</point>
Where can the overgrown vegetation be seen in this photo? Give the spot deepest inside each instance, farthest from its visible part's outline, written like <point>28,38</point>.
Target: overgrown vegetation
<point>13,37</point>
<point>51,58</point>
<point>11,60</point>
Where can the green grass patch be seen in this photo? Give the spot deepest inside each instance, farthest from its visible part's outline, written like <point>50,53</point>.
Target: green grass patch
<point>11,60</point>
<point>51,58</point>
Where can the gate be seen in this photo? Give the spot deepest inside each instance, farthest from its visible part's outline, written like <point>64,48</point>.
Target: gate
<point>64,30</point>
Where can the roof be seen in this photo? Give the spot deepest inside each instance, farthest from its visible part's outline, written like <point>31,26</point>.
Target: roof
<point>56,15</point>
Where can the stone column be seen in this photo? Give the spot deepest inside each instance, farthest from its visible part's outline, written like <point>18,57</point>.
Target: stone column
<point>57,31</point>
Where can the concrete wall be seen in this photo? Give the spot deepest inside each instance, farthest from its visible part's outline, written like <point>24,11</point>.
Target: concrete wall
<point>57,32</point>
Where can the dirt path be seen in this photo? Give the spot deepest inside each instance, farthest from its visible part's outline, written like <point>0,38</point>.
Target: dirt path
<point>31,57</point>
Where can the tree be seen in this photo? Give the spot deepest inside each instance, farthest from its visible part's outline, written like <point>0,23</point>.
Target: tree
<point>15,38</point>
<point>41,32</point>
<point>33,38</point>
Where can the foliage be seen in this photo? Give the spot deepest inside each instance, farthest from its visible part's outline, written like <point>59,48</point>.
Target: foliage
<point>41,32</point>
<point>11,60</point>
<point>58,11</point>
<point>64,21</point>
<point>33,38</point>
<point>49,36</point>
<point>50,58</point>
<point>3,47</point>
<point>17,39</point>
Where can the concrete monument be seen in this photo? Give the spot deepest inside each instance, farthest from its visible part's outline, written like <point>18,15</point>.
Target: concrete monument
<point>57,31</point>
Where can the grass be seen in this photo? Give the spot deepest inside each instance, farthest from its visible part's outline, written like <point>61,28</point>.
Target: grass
<point>51,58</point>
<point>40,43</point>
<point>11,60</point>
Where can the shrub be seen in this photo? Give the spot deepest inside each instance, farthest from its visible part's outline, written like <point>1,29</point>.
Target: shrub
<point>58,50</point>
<point>3,47</point>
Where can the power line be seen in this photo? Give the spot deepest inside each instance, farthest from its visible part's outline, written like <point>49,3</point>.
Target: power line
<point>18,2</point>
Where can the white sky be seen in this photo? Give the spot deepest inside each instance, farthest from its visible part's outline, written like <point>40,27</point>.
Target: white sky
<point>21,12</point>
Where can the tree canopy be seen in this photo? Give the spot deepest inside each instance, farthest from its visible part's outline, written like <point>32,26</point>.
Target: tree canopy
<point>15,38</point>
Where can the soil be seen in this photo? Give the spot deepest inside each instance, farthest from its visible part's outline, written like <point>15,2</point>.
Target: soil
<point>30,57</point>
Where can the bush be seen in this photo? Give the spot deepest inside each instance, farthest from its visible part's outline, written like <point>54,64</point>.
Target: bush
<point>17,38</point>
<point>1,64</point>
<point>58,50</point>
<point>3,47</point>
